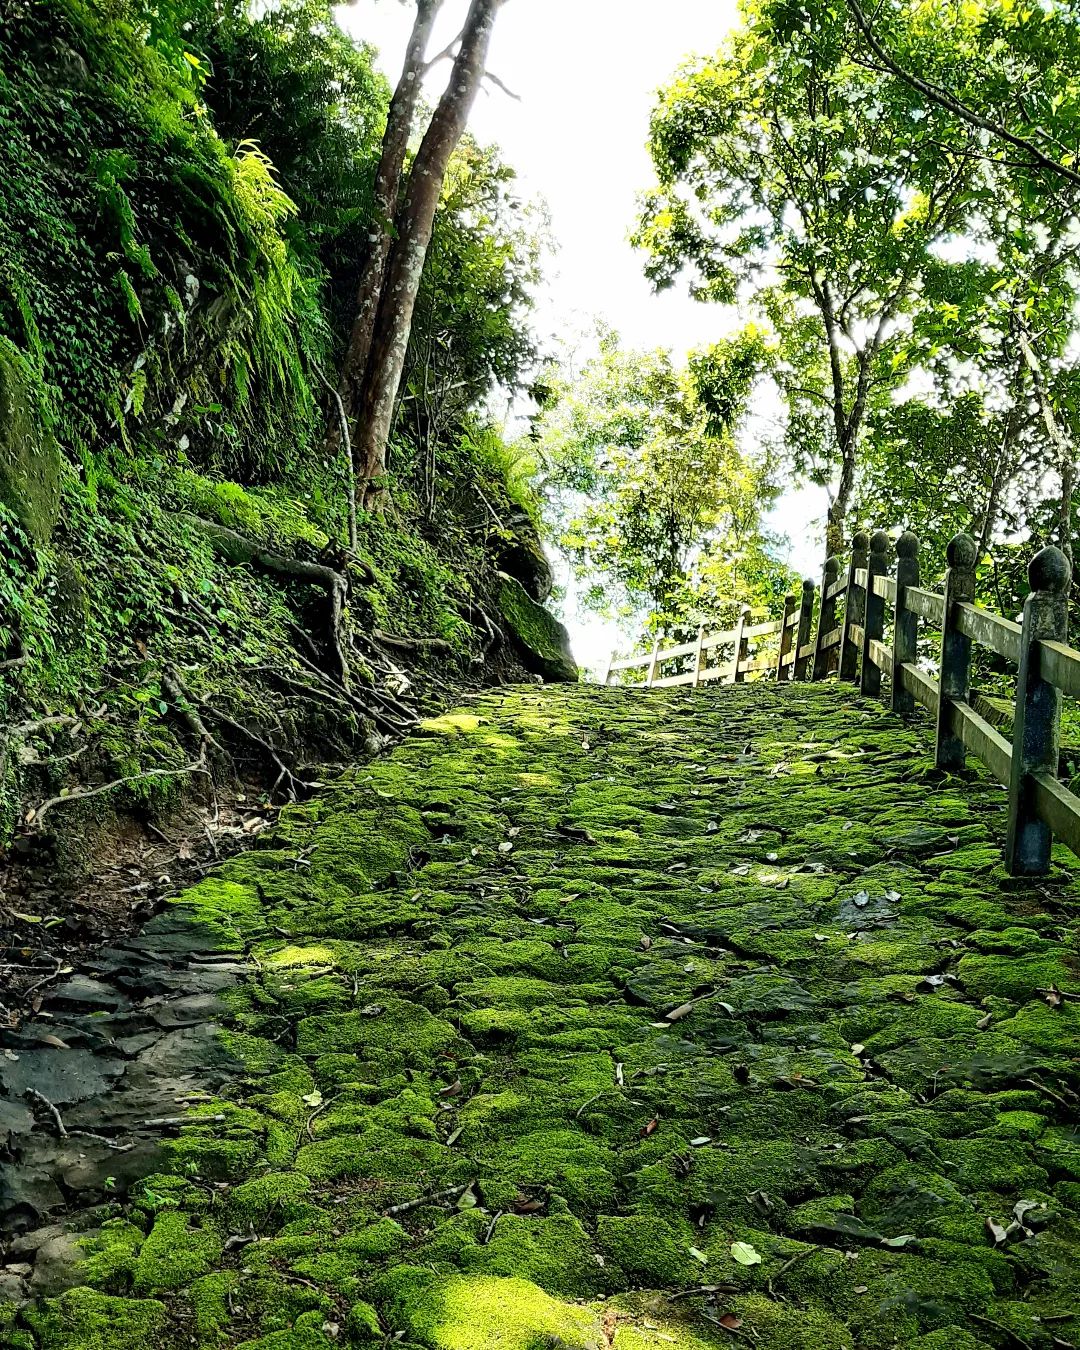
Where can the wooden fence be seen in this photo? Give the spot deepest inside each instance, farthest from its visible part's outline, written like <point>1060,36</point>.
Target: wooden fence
<point>749,650</point>
<point>868,632</point>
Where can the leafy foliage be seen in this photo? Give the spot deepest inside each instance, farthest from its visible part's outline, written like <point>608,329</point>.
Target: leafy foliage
<point>658,509</point>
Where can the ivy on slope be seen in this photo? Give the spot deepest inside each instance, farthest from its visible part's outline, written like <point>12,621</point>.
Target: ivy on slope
<point>597,1020</point>
<point>184,199</point>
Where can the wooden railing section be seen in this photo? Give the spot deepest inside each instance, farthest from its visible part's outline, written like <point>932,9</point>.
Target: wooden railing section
<point>853,625</point>
<point>728,656</point>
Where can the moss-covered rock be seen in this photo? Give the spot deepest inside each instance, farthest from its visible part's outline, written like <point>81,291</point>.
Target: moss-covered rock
<point>30,461</point>
<point>541,640</point>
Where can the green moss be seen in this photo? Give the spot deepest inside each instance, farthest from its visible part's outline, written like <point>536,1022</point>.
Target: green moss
<point>481,1312</point>
<point>82,1319</point>
<point>174,1254</point>
<point>112,1255</point>
<point>652,1252</point>
<point>30,463</point>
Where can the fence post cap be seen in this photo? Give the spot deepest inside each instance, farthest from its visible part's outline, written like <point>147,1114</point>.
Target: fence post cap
<point>907,546</point>
<point>879,542</point>
<point>832,568</point>
<point>1049,570</point>
<point>861,541</point>
<point>962,551</point>
<point>808,586</point>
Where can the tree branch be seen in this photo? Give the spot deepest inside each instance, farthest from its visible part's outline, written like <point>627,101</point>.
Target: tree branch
<point>950,103</point>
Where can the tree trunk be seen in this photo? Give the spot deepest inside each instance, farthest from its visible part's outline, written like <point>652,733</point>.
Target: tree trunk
<point>408,252</point>
<point>835,542</point>
<point>387,189</point>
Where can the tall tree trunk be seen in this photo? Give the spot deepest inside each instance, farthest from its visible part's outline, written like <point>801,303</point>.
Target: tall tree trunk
<point>395,144</point>
<point>408,252</point>
<point>835,543</point>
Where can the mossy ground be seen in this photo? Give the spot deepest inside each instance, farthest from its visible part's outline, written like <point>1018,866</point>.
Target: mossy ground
<point>470,1124</point>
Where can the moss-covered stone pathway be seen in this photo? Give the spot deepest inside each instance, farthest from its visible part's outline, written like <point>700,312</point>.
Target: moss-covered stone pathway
<point>591,1018</point>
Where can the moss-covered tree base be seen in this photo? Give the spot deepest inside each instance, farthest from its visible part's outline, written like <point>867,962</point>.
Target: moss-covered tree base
<point>584,999</point>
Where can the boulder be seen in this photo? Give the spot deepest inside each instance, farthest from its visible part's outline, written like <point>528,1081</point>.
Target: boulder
<point>542,642</point>
<point>521,555</point>
<point>29,458</point>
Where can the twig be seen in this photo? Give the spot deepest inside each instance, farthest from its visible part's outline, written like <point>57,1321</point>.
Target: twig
<point>489,75</point>
<point>449,1194</point>
<point>163,1122</point>
<point>999,1326</point>
<point>407,644</point>
<point>343,423</point>
<point>491,1228</point>
<point>39,1099</point>
<point>198,767</point>
<point>577,1113</point>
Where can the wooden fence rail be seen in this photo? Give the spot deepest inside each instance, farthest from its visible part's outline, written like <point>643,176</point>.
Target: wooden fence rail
<point>851,641</point>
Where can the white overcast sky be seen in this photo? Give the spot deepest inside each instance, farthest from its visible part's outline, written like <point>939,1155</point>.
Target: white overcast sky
<point>586,73</point>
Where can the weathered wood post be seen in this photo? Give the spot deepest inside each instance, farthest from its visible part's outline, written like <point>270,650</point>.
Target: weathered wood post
<point>699,655</point>
<point>791,603</point>
<point>806,623</point>
<point>906,629</point>
<point>854,607</point>
<point>737,676</point>
<point>826,618</point>
<point>654,665</point>
<point>874,619</point>
<point>955,678</point>
<point>1038,710</point>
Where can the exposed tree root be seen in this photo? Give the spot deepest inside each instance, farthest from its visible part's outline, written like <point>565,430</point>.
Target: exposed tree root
<point>237,548</point>
<point>37,814</point>
<point>405,644</point>
<point>285,774</point>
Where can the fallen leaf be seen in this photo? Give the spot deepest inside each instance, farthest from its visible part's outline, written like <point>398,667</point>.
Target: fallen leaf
<point>454,1090</point>
<point>55,1042</point>
<point>677,1014</point>
<point>313,1098</point>
<point>468,1200</point>
<point>995,1231</point>
<point>1023,1207</point>
<point>984,1022</point>
<point>649,1127</point>
<point>453,1138</point>
<point>861,898</point>
<point>860,1289</point>
<point>857,1049</point>
<point>730,1321</point>
<point>645,942</point>
<point>1053,996</point>
<point>745,1254</point>
<point>700,1141</point>
<point>698,1255</point>
<point>902,1241</point>
<point>506,846</point>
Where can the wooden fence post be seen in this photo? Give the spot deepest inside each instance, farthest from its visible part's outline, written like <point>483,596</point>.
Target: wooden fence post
<point>906,627</point>
<point>806,623</point>
<point>653,665</point>
<point>699,654</point>
<point>826,618</point>
<point>1038,709</point>
<point>854,607</point>
<point>955,676</point>
<point>738,677</point>
<point>874,619</point>
<point>791,603</point>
